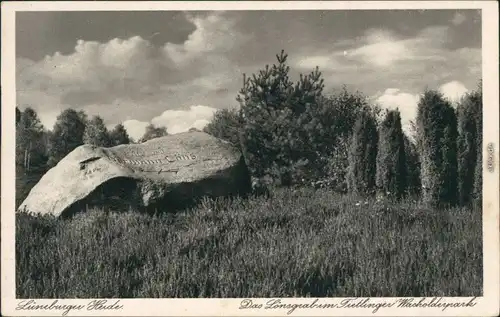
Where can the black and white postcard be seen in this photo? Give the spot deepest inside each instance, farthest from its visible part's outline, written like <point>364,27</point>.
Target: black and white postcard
<point>250,158</point>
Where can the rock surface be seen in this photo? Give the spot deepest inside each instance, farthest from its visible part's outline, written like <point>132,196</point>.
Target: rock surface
<point>160,173</point>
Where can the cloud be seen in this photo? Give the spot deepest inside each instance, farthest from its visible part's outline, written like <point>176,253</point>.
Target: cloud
<point>310,62</point>
<point>458,18</point>
<point>453,90</point>
<point>116,66</point>
<point>135,79</point>
<point>382,48</point>
<point>135,128</point>
<point>407,103</point>
<point>176,121</point>
<point>214,34</point>
<point>132,79</point>
<point>408,61</point>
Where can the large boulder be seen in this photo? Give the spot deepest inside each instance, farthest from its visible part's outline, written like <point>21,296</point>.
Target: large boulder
<point>162,173</point>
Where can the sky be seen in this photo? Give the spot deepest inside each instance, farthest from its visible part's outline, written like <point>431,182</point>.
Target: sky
<point>175,68</point>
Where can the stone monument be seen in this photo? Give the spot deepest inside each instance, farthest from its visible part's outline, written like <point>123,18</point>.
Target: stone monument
<point>160,173</point>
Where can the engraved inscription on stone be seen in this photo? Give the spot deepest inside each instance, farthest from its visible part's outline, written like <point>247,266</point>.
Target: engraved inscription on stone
<point>180,162</point>
<point>93,167</point>
<point>156,165</point>
<point>167,159</point>
<point>93,170</point>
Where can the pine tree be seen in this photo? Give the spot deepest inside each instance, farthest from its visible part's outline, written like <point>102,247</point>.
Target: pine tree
<point>119,135</point>
<point>67,135</point>
<point>391,159</point>
<point>96,133</point>
<point>153,132</point>
<point>437,129</point>
<point>279,122</point>
<point>362,155</point>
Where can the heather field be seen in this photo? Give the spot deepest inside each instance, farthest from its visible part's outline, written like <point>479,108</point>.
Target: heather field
<point>296,243</point>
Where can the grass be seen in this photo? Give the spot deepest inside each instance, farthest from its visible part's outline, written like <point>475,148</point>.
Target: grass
<point>296,244</point>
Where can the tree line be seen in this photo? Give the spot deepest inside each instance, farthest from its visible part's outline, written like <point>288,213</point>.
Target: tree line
<point>294,134</point>
<point>39,149</point>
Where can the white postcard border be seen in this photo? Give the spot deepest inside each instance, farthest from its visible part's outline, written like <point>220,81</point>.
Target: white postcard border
<point>487,305</point>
